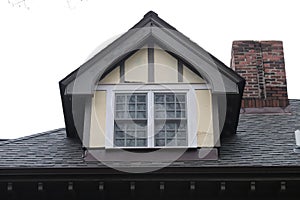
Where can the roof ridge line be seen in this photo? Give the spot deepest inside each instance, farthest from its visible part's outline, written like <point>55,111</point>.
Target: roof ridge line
<point>9,141</point>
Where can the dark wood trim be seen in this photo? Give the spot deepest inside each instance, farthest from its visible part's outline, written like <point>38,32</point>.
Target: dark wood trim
<point>180,70</point>
<point>165,174</point>
<point>122,72</point>
<point>150,62</point>
<point>118,64</point>
<point>183,61</point>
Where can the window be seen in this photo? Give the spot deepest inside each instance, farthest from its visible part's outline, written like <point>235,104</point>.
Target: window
<point>150,119</point>
<point>170,119</point>
<point>130,124</point>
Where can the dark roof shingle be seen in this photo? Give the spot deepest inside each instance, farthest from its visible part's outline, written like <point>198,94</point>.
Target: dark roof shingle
<point>262,140</point>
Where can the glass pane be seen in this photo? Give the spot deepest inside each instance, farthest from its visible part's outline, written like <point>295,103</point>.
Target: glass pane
<point>130,134</point>
<point>160,134</point>
<point>132,114</point>
<point>141,98</point>
<point>130,126</point>
<point>180,97</point>
<point>178,114</point>
<point>183,114</point>
<point>170,114</point>
<point>131,107</point>
<point>170,134</point>
<point>159,98</point>
<point>119,134</point>
<point>130,143</point>
<point>141,107</point>
<point>182,125</point>
<point>141,142</point>
<point>120,99</point>
<point>159,127</point>
<point>181,142</point>
<point>131,99</point>
<point>160,114</point>
<point>160,106</point>
<point>141,115</point>
<point>170,106</point>
<point>181,134</point>
<point>160,142</point>
<point>171,142</point>
<point>119,142</point>
<point>120,114</point>
<point>170,98</point>
<point>170,125</point>
<point>141,125</point>
<point>182,105</point>
<point>120,107</point>
<point>141,134</point>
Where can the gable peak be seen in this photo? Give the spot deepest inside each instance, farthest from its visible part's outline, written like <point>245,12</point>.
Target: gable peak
<point>150,14</point>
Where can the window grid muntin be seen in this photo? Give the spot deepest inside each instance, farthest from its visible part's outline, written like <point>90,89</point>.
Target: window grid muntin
<point>130,110</point>
<point>167,103</point>
<point>151,117</point>
<point>131,134</point>
<point>132,107</point>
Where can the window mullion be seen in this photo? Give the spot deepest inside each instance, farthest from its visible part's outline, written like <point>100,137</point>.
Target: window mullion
<point>150,119</point>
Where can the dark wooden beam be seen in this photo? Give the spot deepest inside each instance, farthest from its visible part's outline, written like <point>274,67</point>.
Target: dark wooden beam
<point>122,72</point>
<point>180,70</point>
<point>150,62</point>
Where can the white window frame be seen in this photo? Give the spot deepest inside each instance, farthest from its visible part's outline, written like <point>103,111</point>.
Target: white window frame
<point>150,89</point>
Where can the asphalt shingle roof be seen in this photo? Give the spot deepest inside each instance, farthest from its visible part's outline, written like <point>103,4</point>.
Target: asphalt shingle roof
<point>261,140</point>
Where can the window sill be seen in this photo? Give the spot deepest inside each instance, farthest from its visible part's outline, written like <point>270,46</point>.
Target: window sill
<point>149,148</point>
<point>150,155</point>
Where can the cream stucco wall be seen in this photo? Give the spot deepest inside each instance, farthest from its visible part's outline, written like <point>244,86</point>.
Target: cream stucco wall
<point>98,120</point>
<point>205,136</point>
<point>112,78</point>
<point>165,71</point>
<point>136,67</point>
<point>165,67</point>
<point>190,77</point>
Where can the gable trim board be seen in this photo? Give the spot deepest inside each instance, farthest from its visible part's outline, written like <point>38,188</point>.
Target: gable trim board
<point>88,75</point>
<point>83,81</point>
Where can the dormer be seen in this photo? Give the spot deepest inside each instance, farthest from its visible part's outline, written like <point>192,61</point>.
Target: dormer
<point>152,88</point>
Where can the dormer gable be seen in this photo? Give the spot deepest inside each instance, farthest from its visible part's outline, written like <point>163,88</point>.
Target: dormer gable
<point>173,91</point>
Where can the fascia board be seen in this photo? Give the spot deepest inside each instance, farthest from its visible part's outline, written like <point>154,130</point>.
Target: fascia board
<point>84,82</point>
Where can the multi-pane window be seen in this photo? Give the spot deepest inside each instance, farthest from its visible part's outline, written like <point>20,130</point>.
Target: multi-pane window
<point>170,120</point>
<point>130,124</point>
<point>164,113</point>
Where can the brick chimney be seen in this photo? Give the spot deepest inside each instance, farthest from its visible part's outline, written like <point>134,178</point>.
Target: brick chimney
<point>261,63</point>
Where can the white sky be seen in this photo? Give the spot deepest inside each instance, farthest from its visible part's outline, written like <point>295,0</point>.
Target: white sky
<point>39,46</point>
